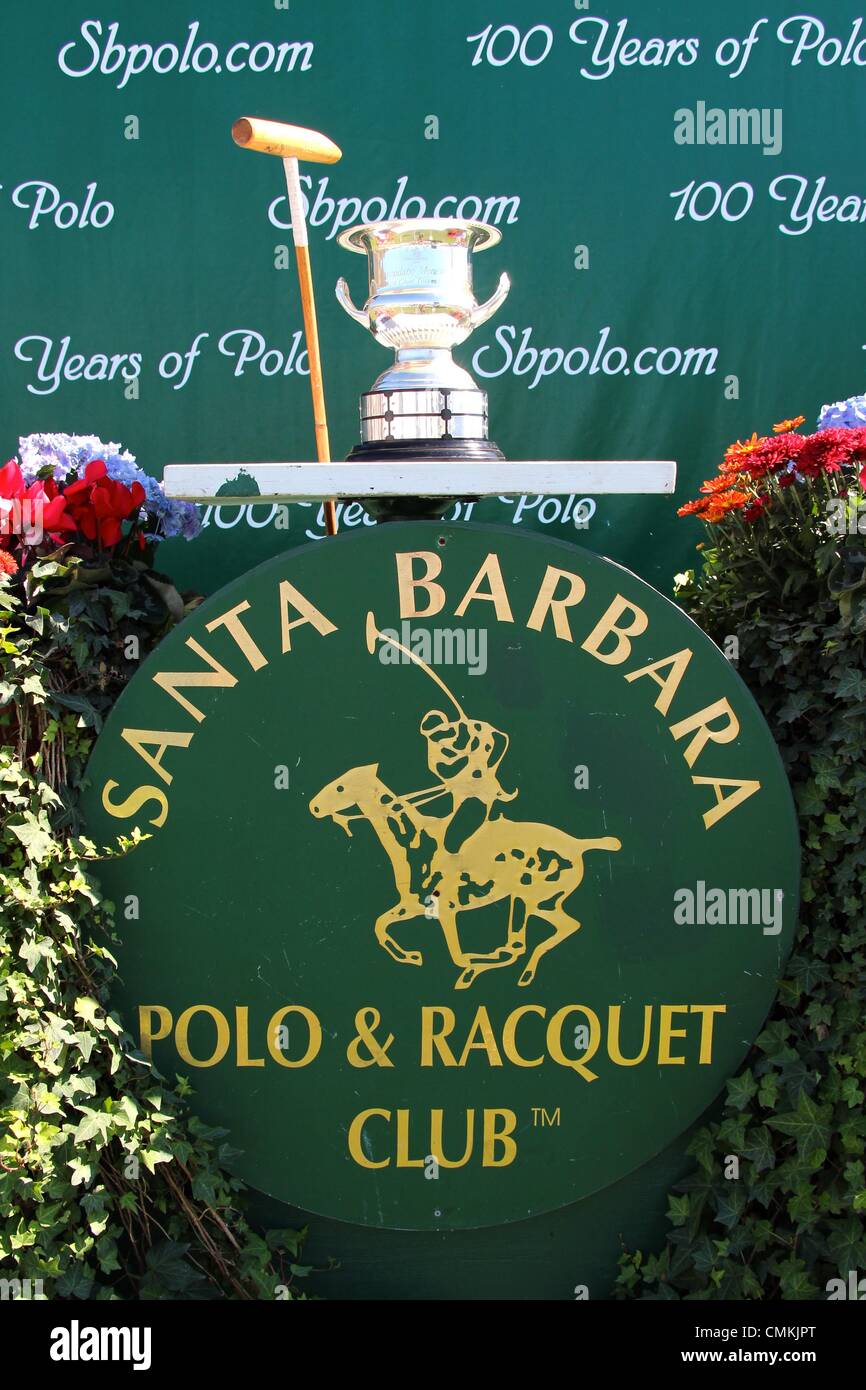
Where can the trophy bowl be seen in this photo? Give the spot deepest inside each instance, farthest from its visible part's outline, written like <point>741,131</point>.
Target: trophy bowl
<point>420,274</point>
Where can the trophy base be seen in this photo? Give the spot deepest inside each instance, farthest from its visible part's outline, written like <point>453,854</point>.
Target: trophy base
<point>412,451</point>
<point>408,413</point>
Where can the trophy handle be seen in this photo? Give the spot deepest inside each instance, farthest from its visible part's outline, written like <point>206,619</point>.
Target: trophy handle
<point>482,312</point>
<point>345,299</point>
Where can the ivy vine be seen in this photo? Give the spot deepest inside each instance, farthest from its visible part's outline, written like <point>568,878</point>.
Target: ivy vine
<point>110,1187</point>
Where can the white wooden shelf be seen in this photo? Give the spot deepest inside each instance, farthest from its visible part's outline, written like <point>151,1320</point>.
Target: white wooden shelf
<point>304,482</point>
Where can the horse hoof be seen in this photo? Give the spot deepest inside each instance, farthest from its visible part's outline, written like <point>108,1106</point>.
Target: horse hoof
<point>413,958</point>
<point>465,979</point>
<point>527,977</point>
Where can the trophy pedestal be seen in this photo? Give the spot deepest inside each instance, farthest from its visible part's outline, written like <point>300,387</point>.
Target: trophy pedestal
<point>414,451</point>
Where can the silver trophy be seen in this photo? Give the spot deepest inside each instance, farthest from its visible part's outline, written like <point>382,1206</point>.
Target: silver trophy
<point>421,304</point>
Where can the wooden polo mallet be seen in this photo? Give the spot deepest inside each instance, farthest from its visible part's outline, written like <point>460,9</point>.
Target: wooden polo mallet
<point>292,143</point>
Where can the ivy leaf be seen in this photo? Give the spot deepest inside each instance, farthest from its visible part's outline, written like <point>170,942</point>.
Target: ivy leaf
<point>95,1204</point>
<point>75,1282</point>
<point>34,950</point>
<point>93,1126</point>
<point>32,685</point>
<point>167,1261</point>
<point>204,1188</point>
<point>81,1172</point>
<point>731,1205</point>
<point>847,1246</point>
<point>285,1239</point>
<point>86,1008</point>
<point>81,705</point>
<point>703,1148</point>
<point>808,1124</point>
<point>760,1149</point>
<point>795,1281</point>
<point>852,685</point>
<point>678,1210</point>
<point>795,707</point>
<point>151,1157</point>
<point>34,837</point>
<point>741,1090</point>
<point>768,1091</point>
<point>764,1189</point>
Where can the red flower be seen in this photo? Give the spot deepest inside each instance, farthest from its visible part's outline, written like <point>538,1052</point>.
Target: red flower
<point>94,471</point>
<point>11,481</point>
<point>55,517</point>
<point>754,510</point>
<point>99,504</point>
<point>773,454</point>
<point>828,449</point>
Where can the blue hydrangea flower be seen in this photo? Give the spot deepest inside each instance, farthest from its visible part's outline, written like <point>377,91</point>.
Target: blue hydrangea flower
<point>850,414</point>
<point>71,453</point>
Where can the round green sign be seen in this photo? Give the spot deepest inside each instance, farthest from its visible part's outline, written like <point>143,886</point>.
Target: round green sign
<point>472,869</point>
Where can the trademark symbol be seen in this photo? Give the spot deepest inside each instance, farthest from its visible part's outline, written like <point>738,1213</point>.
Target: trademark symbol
<point>543,1119</point>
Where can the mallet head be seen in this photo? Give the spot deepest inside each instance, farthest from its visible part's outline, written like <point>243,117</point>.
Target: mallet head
<point>287,141</point>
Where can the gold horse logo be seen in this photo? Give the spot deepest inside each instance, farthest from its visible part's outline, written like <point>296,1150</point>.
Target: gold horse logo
<point>471,857</point>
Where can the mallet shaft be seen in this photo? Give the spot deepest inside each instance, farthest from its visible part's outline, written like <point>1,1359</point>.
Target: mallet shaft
<point>311,328</point>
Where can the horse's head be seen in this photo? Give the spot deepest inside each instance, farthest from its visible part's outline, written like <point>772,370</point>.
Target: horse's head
<point>339,798</point>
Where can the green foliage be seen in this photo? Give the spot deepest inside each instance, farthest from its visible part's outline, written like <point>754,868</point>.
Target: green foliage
<point>795,600</point>
<point>109,1186</point>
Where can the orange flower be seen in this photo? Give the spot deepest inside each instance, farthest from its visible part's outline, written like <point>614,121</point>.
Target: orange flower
<point>718,484</point>
<point>720,506</point>
<point>8,563</point>
<point>742,447</point>
<point>691,508</point>
<point>786,425</point>
<point>735,499</point>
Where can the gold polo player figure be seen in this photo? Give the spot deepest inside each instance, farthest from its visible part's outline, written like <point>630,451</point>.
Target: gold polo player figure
<point>470,857</point>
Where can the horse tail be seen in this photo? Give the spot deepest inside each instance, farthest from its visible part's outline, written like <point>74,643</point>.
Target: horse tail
<point>609,844</point>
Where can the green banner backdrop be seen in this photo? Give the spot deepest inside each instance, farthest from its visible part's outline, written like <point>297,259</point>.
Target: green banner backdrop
<point>671,292</point>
